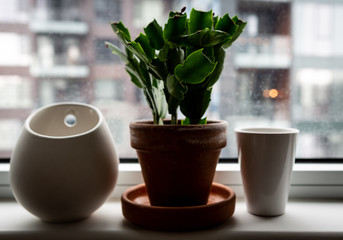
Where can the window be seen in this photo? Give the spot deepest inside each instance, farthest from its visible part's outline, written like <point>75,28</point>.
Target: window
<point>58,50</point>
<point>16,92</point>
<point>142,10</point>
<point>16,11</point>
<point>107,10</point>
<point>15,49</point>
<point>285,70</point>
<point>109,90</point>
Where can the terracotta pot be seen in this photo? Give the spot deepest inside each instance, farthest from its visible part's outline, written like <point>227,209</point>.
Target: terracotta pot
<point>178,161</point>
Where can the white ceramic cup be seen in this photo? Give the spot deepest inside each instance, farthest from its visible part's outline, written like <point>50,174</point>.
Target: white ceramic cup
<point>64,165</point>
<point>266,157</point>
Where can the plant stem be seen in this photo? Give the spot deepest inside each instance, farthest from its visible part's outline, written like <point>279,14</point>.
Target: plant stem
<point>194,121</point>
<point>158,120</point>
<point>153,105</point>
<point>174,118</point>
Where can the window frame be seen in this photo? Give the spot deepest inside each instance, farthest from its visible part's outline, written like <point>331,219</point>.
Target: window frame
<point>312,178</point>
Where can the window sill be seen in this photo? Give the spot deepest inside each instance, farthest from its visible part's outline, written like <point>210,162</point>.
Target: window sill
<point>308,180</point>
<point>304,219</point>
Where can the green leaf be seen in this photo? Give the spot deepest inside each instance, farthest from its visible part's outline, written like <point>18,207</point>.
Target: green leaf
<point>173,105</point>
<point>138,70</point>
<point>116,51</point>
<point>191,49</point>
<point>149,97</point>
<point>137,49</point>
<point>209,52</point>
<point>175,27</point>
<point>203,121</point>
<point>226,24</point>
<point>175,88</point>
<point>134,69</point>
<point>175,57</point>
<point>180,41</point>
<point>121,30</point>
<point>158,68</point>
<point>187,121</point>
<point>176,92</point>
<point>156,100</point>
<point>241,26</point>
<point>219,56</point>
<point>143,40</point>
<point>128,52</point>
<point>195,69</point>
<point>208,38</point>
<point>155,34</point>
<point>195,103</point>
<point>188,61</point>
<point>199,20</point>
<point>144,73</point>
<point>163,54</point>
<point>135,78</point>
<point>215,20</point>
<point>161,103</point>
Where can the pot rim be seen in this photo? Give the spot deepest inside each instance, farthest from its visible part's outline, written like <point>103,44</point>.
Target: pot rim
<point>33,114</point>
<point>146,122</point>
<point>267,130</point>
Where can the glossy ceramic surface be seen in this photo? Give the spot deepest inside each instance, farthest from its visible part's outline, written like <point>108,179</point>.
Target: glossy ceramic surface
<point>266,156</point>
<point>137,209</point>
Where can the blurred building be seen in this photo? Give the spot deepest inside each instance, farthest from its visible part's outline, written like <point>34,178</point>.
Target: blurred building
<point>54,51</point>
<point>285,70</point>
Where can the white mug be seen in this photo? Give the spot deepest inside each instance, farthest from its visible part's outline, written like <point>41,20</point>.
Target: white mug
<point>266,157</point>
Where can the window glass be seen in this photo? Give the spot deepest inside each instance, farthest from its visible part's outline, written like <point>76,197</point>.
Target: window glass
<point>14,11</point>
<point>102,54</point>
<point>16,92</point>
<point>284,71</point>
<point>15,49</point>
<point>107,10</point>
<point>147,10</point>
<point>109,90</point>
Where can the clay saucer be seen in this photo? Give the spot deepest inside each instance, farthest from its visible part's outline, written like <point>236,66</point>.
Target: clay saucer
<point>137,209</point>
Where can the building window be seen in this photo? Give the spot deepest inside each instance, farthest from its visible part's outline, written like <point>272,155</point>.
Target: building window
<point>58,50</point>
<point>107,10</point>
<point>15,49</point>
<point>61,10</point>
<point>15,92</point>
<point>142,10</point>
<point>15,11</point>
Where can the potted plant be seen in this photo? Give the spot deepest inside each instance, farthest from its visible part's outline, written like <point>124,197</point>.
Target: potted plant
<point>177,66</point>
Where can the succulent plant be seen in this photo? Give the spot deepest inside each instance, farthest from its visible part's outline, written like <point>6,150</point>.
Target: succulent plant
<point>177,66</point>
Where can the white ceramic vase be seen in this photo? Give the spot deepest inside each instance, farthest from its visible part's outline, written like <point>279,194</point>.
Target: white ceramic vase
<point>64,165</point>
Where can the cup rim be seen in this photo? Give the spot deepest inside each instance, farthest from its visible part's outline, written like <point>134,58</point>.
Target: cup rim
<point>31,131</point>
<point>267,130</point>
